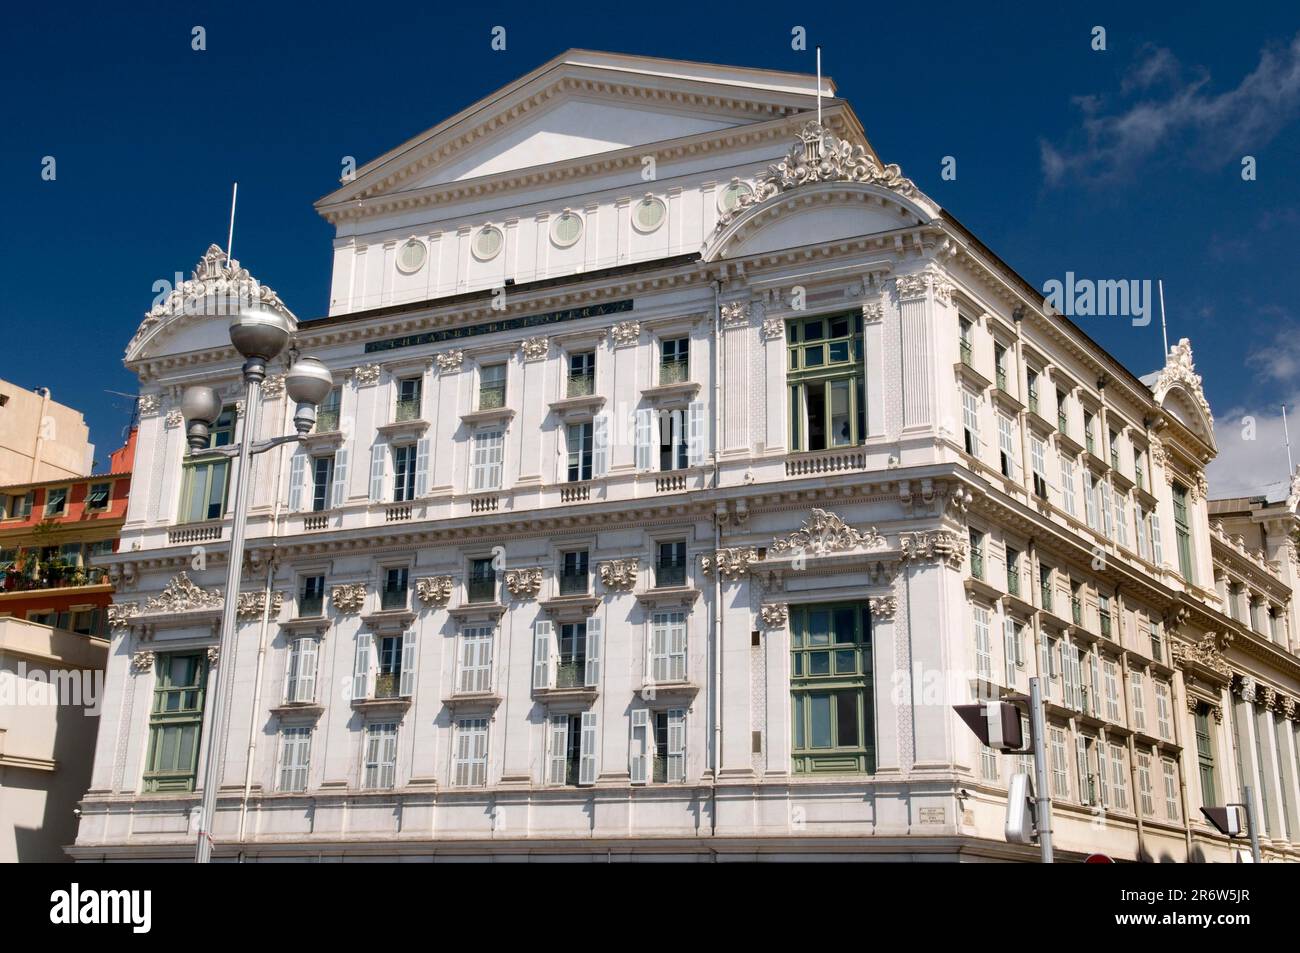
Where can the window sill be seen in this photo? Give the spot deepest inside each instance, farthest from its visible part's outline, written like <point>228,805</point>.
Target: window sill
<point>326,440</point>
<point>685,596</point>
<point>665,395</point>
<point>570,607</point>
<point>668,691</point>
<point>558,699</point>
<point>403,430</point>
<point>576,408</point>
<point>495,415</point>
<point>306,623</point>
<point>472,701</point>
<point>381,705</point>
<point>385,619</point>
<point>298,711</point>
<point>981,588</point>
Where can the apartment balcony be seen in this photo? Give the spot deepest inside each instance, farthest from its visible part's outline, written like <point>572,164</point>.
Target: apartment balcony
<point>670,575</point>
<point>574,583</point>
<point>673,372</point>
<point>492,397</point>
<point>209,531</point>
<point>327,421</point>
<point>816,462</point>
<point>407,410</point>
<point>391,599</point>
<point>481,590</point>
<point>47,577</point>
<point>580,385</point>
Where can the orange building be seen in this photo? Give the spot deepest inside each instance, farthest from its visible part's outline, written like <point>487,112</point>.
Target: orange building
<point>51,535</point>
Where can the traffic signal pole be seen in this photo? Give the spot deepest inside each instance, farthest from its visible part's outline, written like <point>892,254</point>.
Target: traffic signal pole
<point>1038,723</point>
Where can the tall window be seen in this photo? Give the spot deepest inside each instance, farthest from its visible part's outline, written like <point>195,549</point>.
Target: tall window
<point>831,689</point>
<point>1114,450</point>
<point>964,345</point>
<point>571,664</point>
<point>203,492</point>
<point>669,746</point>
<point>176,722</point>
<point>970,420</point>
<point>485,463</point>
<point>668,646</point>
<point>409,390</point>
<point>482,583</point>
<point>983,645</point>
<point>976,554</point>
<point>492,387</point>
<point>582,375</point>
<point>1000,366</point>
<point>1138,689</point>
<point>322,479</point>
<point>395,582</point>
<point>1031,389</point>
<point>475,659</point>
<point>300,672</point>
<point>403,473</point>
<point>379,761</point>
<point>471,752</point>
<point>1170,770</point>
<point>824,374</point>
<point>295,757</point>
<point>327,414</point>
<point>311,598</point>
<point>670,564</point>
<point>1089,440</point>
<point>674,449</point>
<point>1067,485</point>
<point>574,573</point>
<point>1006,446</point>
<point>1163,726</point>
<point>579,444</point>
<point>1205,756</point>
<point>1182,531</point>
<point>571,749</point>
<point>388,677</point>
<point>1144,784</point>
<point>674,360</point>
<point>1062,413</point>
<point>1038,464</point>
<point>1060,769</point>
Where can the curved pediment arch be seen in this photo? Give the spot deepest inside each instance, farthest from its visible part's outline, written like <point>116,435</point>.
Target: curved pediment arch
<point>1177,389</point>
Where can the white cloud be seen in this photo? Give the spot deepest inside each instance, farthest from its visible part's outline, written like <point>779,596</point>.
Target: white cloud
<point>1208,128</point>
<point>1250,467</point>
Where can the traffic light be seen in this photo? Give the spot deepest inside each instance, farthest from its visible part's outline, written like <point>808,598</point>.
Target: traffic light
<point>1230,820</point>
<point>1021,826</point>
<point>996,724</point>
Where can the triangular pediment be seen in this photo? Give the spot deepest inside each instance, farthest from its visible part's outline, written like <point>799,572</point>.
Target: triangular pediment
<point>582,104</point>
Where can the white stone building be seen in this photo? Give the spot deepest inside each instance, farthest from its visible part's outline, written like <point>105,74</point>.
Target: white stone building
<point>686,465</point>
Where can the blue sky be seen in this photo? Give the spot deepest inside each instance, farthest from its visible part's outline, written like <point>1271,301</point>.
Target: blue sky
<point>1117,164</point>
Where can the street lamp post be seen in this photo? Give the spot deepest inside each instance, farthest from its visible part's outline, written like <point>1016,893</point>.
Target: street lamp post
<point>259,334</point>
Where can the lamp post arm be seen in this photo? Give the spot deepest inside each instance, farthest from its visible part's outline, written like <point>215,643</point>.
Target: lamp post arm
<point>232,451</point>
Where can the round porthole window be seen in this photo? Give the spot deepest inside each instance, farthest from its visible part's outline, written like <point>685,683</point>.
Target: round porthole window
<point>488,242</point>
<point>410,257</point>
<point>649,214</point>
<point>731,196</point>
<point>566,229</point>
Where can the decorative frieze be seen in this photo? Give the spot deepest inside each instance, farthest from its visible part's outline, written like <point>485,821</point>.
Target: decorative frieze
<point>1207,653</point>
<point>273,387</point>
<point>625,333</point>
<point>253,604</point>
<point>883,607</point>
<point>141,662</point>
<point>734,313</point>
<point>871,313</point>
<point>536,349</point>
<point>773,329</point>
<point>214,655</point>
<point>182,595</point>
<point>730,563</point>
<point>450,361</point>
<point>433,591</point>
<point>174,418</point>
<point>910,286</point>
<point>619,573</point>
<point>824,532</point>
<point>938,545</point>
<point>120,614</point>
<point>524,583</point>
<point>349,597</point>
<point>775,615</point>
<point>366,375</point>
<point>148,404</point>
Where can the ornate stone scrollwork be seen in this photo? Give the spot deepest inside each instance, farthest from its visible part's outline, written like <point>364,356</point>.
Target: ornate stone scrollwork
<point>730,563</point>
<point>1179,369</point>
<point>148,404</point>
<point>449,361</point>
<point>433,590</point>
<point>734,313</point>
<point>619,573</point>
<point>273,387</point>
<point>939,544</point>
<point>252,604</point>
<point>182,595</point>
<point>773,328</point>
<point>120,614</point>
<point>174,418</point>
<point>910,286</point>
<point>625,333</point>
<point>535,349</point>
<point>142,662</point>
<point>825,532</point>
<point>366,374</point>
<point>873,312</point>
<point>775,615</point>
<point>883,607</point>
<point>349,597</point>
<point>1245,688</point>
<point>1208,653</point>
<point>214,655</point>
<point>524,583</point>
<point>943,290</point>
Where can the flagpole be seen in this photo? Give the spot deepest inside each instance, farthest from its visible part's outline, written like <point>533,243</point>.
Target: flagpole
<point>230,236</point>
<point>1286,432</point>
<point>819,86</point>
<point>1164,331</point>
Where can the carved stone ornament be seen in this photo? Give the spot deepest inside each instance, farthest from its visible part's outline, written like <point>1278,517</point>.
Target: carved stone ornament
<point>775,615</point>
<point>142,662</point>
<point>252,604</point>
<point>873,312</point>
<point>824,532</point>
<point>625,333</point>
<point>366,374</point>
<point>1194,704</point>
<point>730,563</point>
<point>239,408</point>
<point>524,583</point>
<point>819,156</point>
<point>1288,707</point>
<point>619,573</point>
<point>734,313</point>
<point>174,418</point>
<point>349,597</point>
<point>218,287</point>
<point>1293,497</point>
<point>884,607</point>
<point>214,655</point>
<point>1200,490</point>
<point>449,361</point>
<point>120,614</point>
<point>182,595</point>
<point>1179,369</point>
<point>773,329</point>
<point>1245,688</point>
<point>536,349</point>
<point>433,590</point>
<point>943,290</point>
<point>910,286</point>
<point>273,387</point>
<point>148,404</point>
<point>939,544</point>
<point>1207,653</point>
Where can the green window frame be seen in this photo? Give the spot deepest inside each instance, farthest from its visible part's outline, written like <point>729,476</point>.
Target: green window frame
<point>1205,755</point>
<point>206,482</point>
<point>176,722</point>
<point>1182,531</point>
<point>824,377</point>
<point>831,689</point>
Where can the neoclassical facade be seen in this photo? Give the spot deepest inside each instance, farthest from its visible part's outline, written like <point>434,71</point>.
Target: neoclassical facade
<point>686,465</point>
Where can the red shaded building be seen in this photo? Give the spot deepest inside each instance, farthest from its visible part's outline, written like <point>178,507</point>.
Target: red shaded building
<point>52,534</point>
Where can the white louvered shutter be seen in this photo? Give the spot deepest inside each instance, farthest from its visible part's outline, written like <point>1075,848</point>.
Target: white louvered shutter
<point>600,445</point>
<point>587,749</point>
<point>1067,485</point>
<point>697,434</point>
<point>644,439</point>
<point>378,471</point>
<point>407,686</point>
<point>640,740</point>
<point>361,666</point>
<point>543,654</point>
<point>676,745</point>
<point>1009,650</point>
<point>557,749</point>
<point>1157,556</point>
<point>591,675</point>
<point>1081,763</point>
<point>297,480</point>
<point>308,657</point>
<point>422,468</point>
<point>1006,443</point>
<point>340,489</point>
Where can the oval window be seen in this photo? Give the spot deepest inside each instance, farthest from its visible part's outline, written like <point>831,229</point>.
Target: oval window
<point>488,242</point>
<point>410,257</point>
<point>567,229</point>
